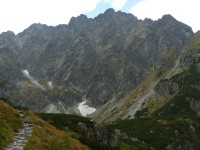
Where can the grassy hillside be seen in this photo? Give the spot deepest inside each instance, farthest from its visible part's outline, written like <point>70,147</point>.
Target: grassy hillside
<point>45,136</point>
<point>9,123</point>
<point>61,121</point>
<point>176,124</point>
<point>70,123</point>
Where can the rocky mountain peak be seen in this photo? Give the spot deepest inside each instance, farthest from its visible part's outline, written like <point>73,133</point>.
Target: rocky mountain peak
<point>79,19</point>
<point>7,34</point>
<point>171,22</point>
<point>168,17</point>
<point>34,28</point>
<point>79,22</point>
<point>109,11</point>
<point>111,16</point>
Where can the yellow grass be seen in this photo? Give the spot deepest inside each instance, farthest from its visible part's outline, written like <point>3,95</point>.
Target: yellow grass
<point>9,123</point>
<point>47,137</point>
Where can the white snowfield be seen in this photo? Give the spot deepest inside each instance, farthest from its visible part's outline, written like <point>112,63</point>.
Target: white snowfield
<point>26,74</point>
<point>50,85</point>
<point>85,109</point>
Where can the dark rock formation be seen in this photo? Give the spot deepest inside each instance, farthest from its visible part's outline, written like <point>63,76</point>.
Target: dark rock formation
<point>166,88</point>
<point>98,59</point>
<point>99,133</point>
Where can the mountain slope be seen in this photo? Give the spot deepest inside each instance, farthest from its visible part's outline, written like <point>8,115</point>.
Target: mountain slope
<point>94,135</point>
<point>174,124</point>
<point>95,60</point>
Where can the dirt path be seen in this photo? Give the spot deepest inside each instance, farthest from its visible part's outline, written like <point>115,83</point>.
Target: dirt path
<point>21,137</point>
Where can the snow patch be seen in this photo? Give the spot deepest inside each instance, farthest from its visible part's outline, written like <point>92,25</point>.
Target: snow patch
<point>26,72</point>
<point>50,85</point>
<point>33,81</point>
<point>85,109</point>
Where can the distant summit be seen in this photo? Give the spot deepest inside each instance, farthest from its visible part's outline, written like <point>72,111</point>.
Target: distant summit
<point>168,17</point>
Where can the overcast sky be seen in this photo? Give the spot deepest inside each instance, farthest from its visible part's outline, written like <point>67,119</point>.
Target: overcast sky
<point>16,15</point>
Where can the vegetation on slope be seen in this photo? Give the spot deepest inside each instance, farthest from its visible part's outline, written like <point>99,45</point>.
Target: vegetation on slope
<point>61,121</point>
<point>176,124</point>
<point>2,83</point>
<point>9,123</point>
<point>70,123</point>
<point>47,137</point>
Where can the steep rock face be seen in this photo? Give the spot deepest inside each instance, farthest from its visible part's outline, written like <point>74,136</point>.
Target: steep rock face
<point>101,58</point>
<point>9,64</point>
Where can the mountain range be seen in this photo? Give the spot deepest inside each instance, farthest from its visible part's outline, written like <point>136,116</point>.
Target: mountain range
<point>130,74</point>
<point>94,60</point>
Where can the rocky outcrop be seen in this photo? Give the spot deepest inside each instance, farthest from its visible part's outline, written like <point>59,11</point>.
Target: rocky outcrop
<point>99,133</point>
<point>194,105</point>
<point>166,88</point>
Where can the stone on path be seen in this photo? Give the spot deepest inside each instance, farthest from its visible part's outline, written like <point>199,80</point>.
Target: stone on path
<point>21,136</point>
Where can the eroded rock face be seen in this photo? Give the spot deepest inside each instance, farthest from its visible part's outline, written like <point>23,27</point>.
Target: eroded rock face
<point>166,88</point>
<point>100,58</point>
<point>99,133</point>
